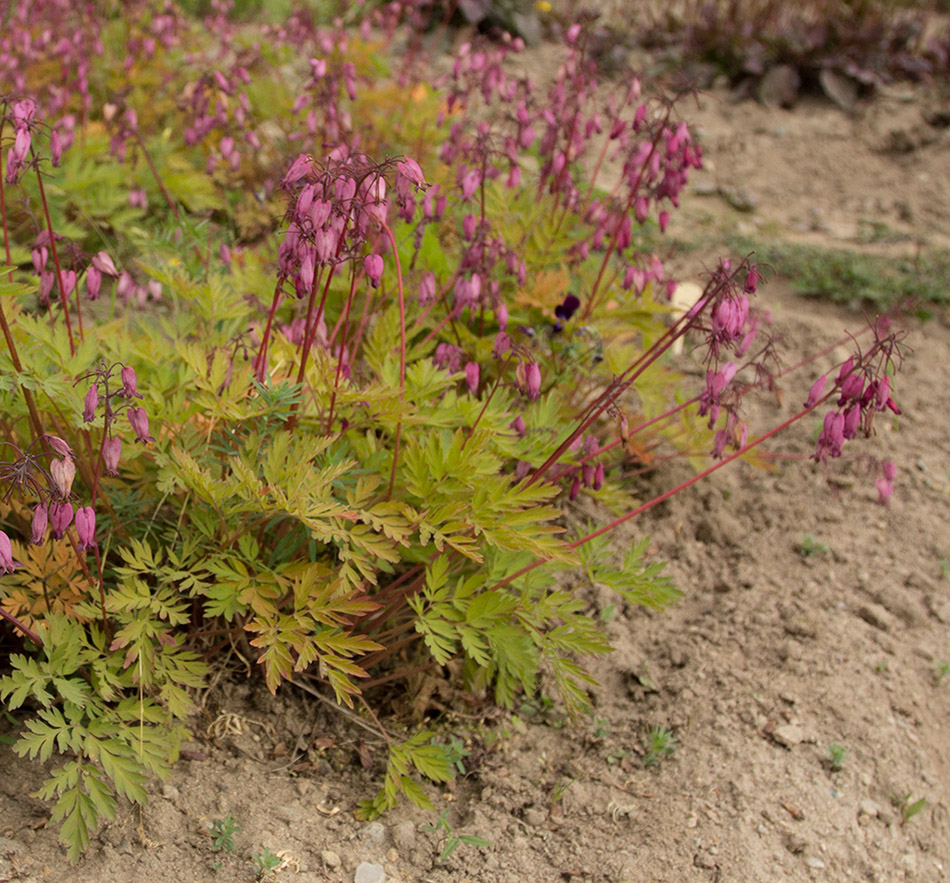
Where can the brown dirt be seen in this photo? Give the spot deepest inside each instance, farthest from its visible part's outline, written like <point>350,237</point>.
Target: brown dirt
<point>771,656</point>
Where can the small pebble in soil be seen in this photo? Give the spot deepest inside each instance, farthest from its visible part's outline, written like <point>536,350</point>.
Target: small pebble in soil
<point>373,834</point>
<point>331,859</point>
<point>369,873</point>
<point>404,836</point>
<point>788,735</point>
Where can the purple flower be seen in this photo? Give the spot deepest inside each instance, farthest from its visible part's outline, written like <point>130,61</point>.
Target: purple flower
<point>130,387</point>
<point>533,380</point>
<point>93,283</point>
<point>831,437</point>
<point>427,289</point>
<point>7,564</point>
<point>567,307</point>
<point>60,517</point>
<point>111,452</point>
<point>472,376</point>
<point>86,527</point>
<point>139,422</point>
<point>817,388</point>
<point>518,426</point>
<point>40,522</point>
<point>103,263</point>
<point>469,184</point>
<point>299,169</point>
<point>59,446</point>
<point>373,264</point>
<point>90,404</point>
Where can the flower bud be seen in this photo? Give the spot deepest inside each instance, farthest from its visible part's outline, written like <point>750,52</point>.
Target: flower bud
<point>63,472</point>
<point>59,446</point>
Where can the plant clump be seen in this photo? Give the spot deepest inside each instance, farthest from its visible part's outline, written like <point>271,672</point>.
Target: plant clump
<point>306,357</point>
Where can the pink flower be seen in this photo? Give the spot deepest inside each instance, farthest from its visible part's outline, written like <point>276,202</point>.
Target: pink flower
<point>40,522</point>
<point>93,283</point>
<point>139,422</point>
<point>518,425</point>
<point>104,264</point>
<point>817,388</point>
<point>427,289</point>
<point>472,373</point>
<point>60,517</point>
<point>59,446</point>
<point>55,149</point>
<point>373,264</point>
<point>90,404</point>
<point>111,452</point>
<point>298,169</point>
<point>7,564</point>
<point>469,184</point>
<point>86,527</point>
<point>533,380</point>
<point>130,387</point>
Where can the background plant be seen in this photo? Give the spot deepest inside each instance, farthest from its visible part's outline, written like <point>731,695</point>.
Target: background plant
<point>407,326</point>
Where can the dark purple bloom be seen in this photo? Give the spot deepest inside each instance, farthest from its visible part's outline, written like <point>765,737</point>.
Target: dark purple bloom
<point>567,308</point>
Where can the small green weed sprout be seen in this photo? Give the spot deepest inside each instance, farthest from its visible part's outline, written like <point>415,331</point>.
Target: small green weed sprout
<point>836,756</point>
<point>941,671</point>
<point>222,833</point>
<point>560,789</point>
<point>809,547</point>
<point>452,841</point>
<point>266,863</point>
<point>455,754</point>
<point>907,809</point>
<point>661,743</point>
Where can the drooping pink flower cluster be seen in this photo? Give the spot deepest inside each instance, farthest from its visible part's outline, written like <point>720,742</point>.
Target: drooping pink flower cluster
<point>863,388</point>
<point>23,117</point>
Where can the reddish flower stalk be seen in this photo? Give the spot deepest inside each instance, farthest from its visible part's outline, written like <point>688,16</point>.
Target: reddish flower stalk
<point>261,359</point>
<point>354,277</point>
<point>59,271</point>
<point>664,496</point>
<point>19,626</point>
<point>402,353</point>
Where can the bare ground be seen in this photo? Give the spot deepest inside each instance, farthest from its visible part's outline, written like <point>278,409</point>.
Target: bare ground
<point>811,616</point>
